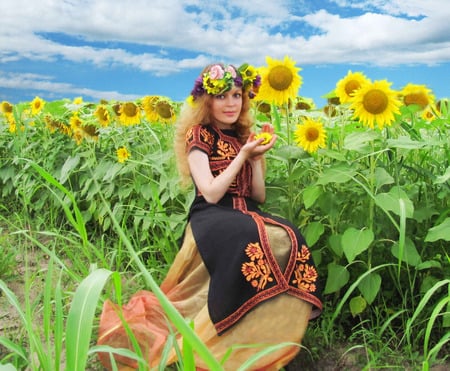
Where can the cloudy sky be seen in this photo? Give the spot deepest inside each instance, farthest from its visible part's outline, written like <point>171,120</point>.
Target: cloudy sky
<point>123,49</point>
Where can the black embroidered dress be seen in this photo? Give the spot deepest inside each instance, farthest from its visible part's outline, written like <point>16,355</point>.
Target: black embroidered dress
<point>233,241</point>
<point>242,276</point>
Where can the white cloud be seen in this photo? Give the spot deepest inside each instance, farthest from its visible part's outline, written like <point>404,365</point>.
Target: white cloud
<point>234,30</point>
<point>43,83</point>
<point>168,36</point>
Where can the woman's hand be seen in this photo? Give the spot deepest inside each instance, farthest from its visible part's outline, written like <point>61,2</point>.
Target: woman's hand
<point>254,148</point>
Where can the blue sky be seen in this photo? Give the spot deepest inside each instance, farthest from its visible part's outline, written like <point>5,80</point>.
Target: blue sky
<point>123,50</point>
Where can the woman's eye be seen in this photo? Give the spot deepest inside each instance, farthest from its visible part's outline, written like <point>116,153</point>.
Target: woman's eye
<point>237,95</point>
<point>220,96</point>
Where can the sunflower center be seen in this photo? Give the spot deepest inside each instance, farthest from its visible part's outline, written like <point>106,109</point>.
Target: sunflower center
<point>375,101</point>
<point>129,109</point>
<point>312,134</point>
<point>416,98</point>
<point>102,114</point>
<point>164,110</point>
<point>280,78</point>
<point>351,86</point>
<point>264,107</point>
<point>302,106</point>
<point>6,107</point>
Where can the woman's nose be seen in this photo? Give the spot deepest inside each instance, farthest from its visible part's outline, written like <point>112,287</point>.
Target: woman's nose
<point>229,100</point>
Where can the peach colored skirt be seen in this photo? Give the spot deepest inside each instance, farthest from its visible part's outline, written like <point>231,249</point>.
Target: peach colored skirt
<point>283,318</point>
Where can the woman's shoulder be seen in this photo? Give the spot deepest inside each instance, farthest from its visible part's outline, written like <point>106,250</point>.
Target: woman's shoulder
<point>198,128</point>
<point>200,136</point>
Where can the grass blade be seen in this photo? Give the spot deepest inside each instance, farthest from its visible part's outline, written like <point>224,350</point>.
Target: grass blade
<point>422,305</point>
<point>13,347</point>
<point>77,219</point>
<point>80,319</point>
<point>177,319</point>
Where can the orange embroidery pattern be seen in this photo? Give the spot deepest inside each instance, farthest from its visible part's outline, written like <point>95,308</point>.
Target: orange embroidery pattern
<point>206,136</point>
<point>225,150</point>
<point>257,270</point>
<point>305,275</point>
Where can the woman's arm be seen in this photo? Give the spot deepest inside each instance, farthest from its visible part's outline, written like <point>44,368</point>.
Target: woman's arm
<point>214,188</point>
<point>258,180</point>
<point>258,171</point>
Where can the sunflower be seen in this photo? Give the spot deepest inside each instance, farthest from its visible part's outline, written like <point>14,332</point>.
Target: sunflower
<point>78,100</point>
<point>430,113</point>
<point>265,136</point>
<point>148,105</point>
<point>75,122</point>
<point>36,105</point>
<point>129,114</point>
<point>90,131</point>
<point>6,108</point>
<point>78,136</point>
<point>12,126</point>
<point>76,128</point>
<point>347,86</point>
<point>417,94</point>
<point>304,104</point>
<point>165,110</point>
<point>310,135</point>
<point>54,125</point>
<point>375,103</point>
<point>122,154</point>
<point>280,81</point>
<point>102,114</point>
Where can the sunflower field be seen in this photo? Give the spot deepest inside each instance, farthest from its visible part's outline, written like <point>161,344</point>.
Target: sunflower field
<point>91,208</point>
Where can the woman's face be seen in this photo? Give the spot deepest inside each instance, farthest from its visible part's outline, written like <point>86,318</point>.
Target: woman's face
<point>226,107</point>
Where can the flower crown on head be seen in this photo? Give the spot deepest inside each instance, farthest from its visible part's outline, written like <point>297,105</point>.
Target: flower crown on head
<point>220,78</point>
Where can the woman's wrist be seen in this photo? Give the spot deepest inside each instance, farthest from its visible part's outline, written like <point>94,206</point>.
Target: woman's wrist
<point>256,159</point>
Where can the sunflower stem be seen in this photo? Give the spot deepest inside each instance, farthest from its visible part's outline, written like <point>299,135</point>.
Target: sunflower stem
<point>372,164</point>
<point>290,167</point>
<point>288,128</point>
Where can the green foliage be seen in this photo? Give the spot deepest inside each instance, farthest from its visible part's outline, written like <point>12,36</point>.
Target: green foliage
<point>8,262</point>
<point>373,206</point>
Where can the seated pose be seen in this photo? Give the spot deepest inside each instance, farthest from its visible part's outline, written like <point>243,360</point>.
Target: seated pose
<point>242,276</point>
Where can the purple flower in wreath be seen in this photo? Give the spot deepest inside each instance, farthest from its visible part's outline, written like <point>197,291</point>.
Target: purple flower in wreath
<point>198,89</point>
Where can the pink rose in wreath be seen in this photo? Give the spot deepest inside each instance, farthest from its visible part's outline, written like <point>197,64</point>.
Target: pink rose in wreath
<point>216,72</point>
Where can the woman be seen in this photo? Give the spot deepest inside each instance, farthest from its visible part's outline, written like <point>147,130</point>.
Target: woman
<point>242,275</point>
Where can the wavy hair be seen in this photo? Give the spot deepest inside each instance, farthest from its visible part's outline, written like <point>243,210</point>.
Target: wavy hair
<point>200,113</point>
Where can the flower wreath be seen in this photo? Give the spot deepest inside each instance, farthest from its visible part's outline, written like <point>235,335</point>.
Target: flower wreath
<point>221,78</point>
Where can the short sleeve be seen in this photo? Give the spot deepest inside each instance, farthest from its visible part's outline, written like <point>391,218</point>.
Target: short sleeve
<point>199,137</point>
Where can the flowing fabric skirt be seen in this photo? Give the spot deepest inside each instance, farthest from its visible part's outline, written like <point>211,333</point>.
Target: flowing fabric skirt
<point>283,318</point>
